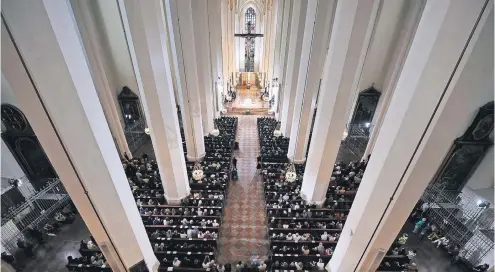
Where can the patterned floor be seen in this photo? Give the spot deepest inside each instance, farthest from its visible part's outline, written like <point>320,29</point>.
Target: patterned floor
<point>244,233</point>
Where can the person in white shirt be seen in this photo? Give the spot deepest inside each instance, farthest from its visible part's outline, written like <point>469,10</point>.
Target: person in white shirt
<point>215,224</point>
<point>289,237</point>
<point>441,241</point>
<point>324,236</point>
<point>332,238</point>
<point>200,213</point>
<point>262,266</point>
<point>239,266</point>
<point>320,265</point>
<point>296,237</point>
<point>299,265</point>
<point>296,207</point>
<point>183,235</point>
<point>189,233</point>
<point>201,235</point>
<point>176,262</point>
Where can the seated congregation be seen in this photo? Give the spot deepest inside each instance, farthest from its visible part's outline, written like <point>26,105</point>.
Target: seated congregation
<point>184,236</point>
<point>302,235</point>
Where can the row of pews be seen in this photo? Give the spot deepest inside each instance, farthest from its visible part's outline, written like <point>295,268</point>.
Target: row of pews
<point>302,235</point>
<point>183,236</point>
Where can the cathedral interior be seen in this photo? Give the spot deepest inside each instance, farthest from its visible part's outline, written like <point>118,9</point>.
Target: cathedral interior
<point>247,135</point>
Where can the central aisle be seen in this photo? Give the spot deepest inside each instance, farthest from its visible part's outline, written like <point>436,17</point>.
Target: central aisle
<point>243,233</point>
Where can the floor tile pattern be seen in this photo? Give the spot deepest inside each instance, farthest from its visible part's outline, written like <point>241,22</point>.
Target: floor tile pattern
<point>244,233</point>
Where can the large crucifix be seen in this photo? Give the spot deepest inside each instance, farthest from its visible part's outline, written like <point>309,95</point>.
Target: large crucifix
<point>249,36</point>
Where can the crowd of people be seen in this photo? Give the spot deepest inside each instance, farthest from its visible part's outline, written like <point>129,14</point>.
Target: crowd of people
<point>185,235</point>
<point>302,235</point>
<point>91,258</point>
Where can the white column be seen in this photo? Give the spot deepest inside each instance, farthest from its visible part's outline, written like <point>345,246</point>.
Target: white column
<point>273,33</point>
<point>238,52</point>
<point>282,53</point>
<point>225,50</point>
<point>278,38</point>
<point>314,50</point>
<point>429,109</point>
<point>231,39</point>
<point>180,23</point>
<point>402,38</point>
<point>216,41</point>
<point>147,37</point>
<point>204,65</point>
<point>293,58</point>
<point>95,52</point>
<point>76,138</point>
<point>351,31</point>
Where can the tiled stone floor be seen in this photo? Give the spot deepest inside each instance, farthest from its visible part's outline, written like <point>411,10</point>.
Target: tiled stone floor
<point>244,233</point>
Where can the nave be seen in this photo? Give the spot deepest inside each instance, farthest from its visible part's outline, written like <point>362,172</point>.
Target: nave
<point>403,88</point>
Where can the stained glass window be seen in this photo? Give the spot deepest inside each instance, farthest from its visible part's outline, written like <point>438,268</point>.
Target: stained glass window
<point>250,26</point>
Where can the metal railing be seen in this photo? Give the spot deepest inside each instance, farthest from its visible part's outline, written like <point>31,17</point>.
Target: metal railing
<point>461,220</point>
<point>38,209</point>
<point>357,139</point>
<point>135,136</point>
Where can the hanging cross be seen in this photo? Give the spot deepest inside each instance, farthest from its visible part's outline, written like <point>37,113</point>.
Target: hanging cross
<point>249,34</point>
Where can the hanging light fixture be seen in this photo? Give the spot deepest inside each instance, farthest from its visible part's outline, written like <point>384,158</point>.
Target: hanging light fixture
<point>215,132</point>
<point>277,132</point>
<point>197,172</point>
<point>290,174</point>
<point>345,134</point>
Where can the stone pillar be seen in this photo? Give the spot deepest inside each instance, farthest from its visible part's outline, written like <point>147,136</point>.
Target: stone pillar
<point>204,64</point>
<point>216,41</point>
<point>293,58</point>
<point>64,110</point>
<point>351,31</point>
<point>225,50</point>
<point>314,50</point>
<point>273,33</point>
<point>401,39</point>
<point>282,56</point>
<point>451,52</point>
<point>180,23</point>
<point>231,40</point>
<point>146,34</point>
<point>93,45</point>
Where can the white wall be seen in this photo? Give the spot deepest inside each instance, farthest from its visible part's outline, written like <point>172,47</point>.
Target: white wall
<point>118,52</point>
<point>9,167</point>
<point>384,41</point>
<point>482,180</point>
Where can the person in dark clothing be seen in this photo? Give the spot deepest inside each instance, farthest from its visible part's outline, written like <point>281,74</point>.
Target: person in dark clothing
<point>228,267</point>
<point>8,259</point>
<point>36,235</point>
<point>26,247</point>
<point>145,157</point>
<point>126,156</point>
<point>83,245</point>
<point>234,162</point>
<point>93,240</point>
<point>481,268</point>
